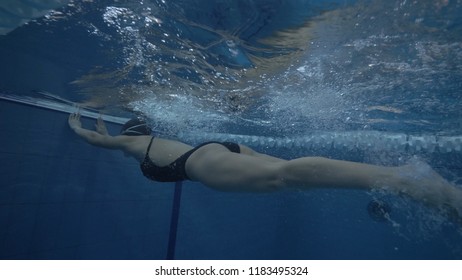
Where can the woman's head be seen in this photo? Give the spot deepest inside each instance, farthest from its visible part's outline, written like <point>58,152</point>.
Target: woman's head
<point>135,127</point>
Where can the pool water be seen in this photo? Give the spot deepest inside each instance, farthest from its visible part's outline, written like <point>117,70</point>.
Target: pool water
<point>371,81</point>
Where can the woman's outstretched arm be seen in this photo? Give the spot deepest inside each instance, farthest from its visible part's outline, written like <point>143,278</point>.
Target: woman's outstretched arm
<point>100,137</point>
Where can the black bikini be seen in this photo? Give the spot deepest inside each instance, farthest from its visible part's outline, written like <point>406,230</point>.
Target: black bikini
<point>176,171</point>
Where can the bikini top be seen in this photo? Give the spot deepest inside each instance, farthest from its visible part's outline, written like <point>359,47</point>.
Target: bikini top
<point>173,172</point>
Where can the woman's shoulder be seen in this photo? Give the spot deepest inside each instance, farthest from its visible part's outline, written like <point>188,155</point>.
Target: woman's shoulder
<point>140,144</point>
<point>135,146</point>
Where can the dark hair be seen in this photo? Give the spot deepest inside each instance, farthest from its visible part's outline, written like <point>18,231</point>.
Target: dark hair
<point>135,127</point>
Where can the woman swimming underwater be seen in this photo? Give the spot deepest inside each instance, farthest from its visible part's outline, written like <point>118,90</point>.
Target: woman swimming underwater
<point>232,167</point>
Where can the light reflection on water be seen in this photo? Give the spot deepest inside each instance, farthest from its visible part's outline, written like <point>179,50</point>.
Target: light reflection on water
<point>388,64</point>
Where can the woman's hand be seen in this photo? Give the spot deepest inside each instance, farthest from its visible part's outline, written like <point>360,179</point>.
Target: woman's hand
<point>101,127</point>
<point>100,137</point>
<point>74,121</point>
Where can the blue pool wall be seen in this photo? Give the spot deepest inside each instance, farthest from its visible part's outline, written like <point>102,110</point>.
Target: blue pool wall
<point>61,198</point>
<point>64,199</point>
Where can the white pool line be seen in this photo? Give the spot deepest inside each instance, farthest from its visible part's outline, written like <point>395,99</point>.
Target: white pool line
<point>344,140</point>
<point>60,107</point>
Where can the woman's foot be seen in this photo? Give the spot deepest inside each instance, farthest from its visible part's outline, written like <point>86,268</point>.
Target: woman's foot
<point>418,180</point>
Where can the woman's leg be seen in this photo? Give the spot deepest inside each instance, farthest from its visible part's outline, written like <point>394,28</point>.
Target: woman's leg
<point>248,151</point>
<point>417,180</point>
<point>220,169</point>
<point>308,172</point>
